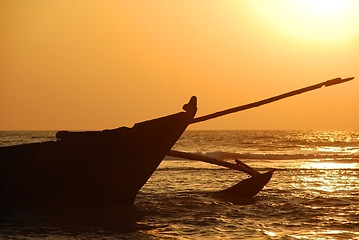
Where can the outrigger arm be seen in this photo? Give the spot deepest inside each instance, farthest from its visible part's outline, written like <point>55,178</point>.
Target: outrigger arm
<point>251,186</point>
<point>240,166</point>
<point>244,189</point>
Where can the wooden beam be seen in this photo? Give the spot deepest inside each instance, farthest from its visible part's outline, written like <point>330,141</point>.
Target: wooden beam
<point>197,157</point>
<point>269,100</point>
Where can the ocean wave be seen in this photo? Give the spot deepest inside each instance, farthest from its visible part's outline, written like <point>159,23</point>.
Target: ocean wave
<point>277,156</point>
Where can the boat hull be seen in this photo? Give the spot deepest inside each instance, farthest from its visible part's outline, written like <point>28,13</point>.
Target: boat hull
<point>88,168</point>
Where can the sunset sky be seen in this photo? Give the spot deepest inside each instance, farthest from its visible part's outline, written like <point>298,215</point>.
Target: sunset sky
<point>91,65</point>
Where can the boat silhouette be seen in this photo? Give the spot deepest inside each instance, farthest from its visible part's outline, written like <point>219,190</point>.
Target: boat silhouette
<point>109,167</point>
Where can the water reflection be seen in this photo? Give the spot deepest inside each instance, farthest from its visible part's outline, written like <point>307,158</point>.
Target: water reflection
<point>329,165</point>
<point>333,149</point>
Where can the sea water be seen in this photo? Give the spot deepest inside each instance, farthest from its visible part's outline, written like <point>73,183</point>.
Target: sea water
<point>314,193</point>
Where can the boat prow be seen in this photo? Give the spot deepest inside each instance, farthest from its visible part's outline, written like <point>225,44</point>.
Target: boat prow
<point>88,168</point>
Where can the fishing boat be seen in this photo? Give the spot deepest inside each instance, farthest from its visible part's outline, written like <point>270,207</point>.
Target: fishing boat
<point>88,168</point>
<point>109,167</point>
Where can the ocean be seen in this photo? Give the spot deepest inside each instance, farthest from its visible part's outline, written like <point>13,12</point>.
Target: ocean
<point>313,194</point>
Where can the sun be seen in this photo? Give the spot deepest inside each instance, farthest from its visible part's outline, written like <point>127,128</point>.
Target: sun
<point>322,20</point>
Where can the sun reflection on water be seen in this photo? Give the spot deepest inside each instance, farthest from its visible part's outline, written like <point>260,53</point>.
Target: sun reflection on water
<point>328,177</point>
<point>332,149</point>
<point>330,165</point>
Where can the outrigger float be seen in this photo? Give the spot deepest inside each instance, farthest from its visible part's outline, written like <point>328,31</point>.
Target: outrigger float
<point>109,167</point>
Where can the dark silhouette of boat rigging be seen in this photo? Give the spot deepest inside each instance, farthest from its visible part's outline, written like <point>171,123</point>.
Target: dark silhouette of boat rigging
<point>109,167</point>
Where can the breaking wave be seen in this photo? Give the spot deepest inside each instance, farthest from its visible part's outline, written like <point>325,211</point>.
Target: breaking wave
<point>277,156</point>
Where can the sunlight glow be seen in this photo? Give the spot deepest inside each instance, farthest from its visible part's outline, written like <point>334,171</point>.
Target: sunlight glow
<point>320,20</point>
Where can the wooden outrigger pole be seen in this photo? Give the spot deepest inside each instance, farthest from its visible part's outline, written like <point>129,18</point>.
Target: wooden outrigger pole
<point>272,99</point>
<point>197,157</point>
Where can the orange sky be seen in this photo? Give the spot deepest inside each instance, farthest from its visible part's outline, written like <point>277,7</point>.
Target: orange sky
<point>89,65</point>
